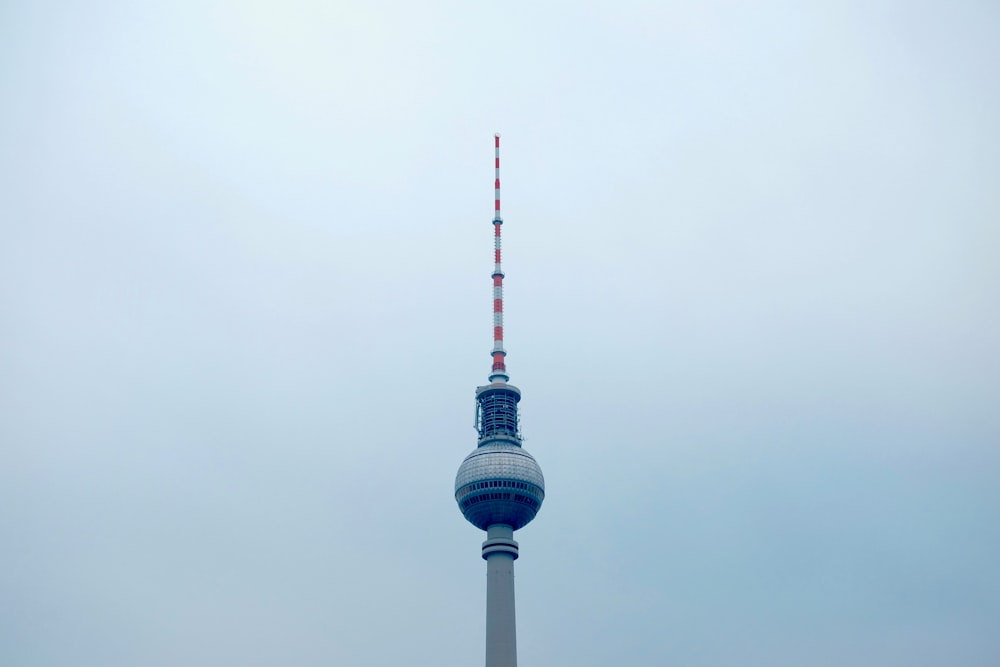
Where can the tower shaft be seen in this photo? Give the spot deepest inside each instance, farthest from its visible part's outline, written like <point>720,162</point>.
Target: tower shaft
<point>500,550</point>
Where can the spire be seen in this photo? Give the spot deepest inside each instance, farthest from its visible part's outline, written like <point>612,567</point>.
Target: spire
<point>499,371</point>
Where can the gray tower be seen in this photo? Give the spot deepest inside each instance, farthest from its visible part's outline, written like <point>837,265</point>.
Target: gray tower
<point>499,486</point>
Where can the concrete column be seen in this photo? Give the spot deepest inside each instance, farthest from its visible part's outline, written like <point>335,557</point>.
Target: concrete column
<point>500,550</point>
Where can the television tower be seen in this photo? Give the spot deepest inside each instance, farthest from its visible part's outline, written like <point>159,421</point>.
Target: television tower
<point>499,486</point>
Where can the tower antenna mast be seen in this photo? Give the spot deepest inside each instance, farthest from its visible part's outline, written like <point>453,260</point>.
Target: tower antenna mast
<point>499,371</point>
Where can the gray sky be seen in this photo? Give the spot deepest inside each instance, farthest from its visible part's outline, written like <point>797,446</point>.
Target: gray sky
<point>752,303</point>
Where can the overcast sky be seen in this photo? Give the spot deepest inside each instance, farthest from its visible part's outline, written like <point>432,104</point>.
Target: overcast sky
<point>753,304</point>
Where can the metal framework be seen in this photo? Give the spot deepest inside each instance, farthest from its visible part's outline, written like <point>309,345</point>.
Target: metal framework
<point>498,412</point>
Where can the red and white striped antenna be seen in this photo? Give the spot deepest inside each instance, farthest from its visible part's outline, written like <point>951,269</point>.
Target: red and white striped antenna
<point>499,372</point>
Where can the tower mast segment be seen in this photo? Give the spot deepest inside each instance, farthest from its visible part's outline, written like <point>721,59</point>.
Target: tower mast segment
<point>499,371</point>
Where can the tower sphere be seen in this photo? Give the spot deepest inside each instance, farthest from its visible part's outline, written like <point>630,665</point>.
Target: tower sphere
<point>499,483</point>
